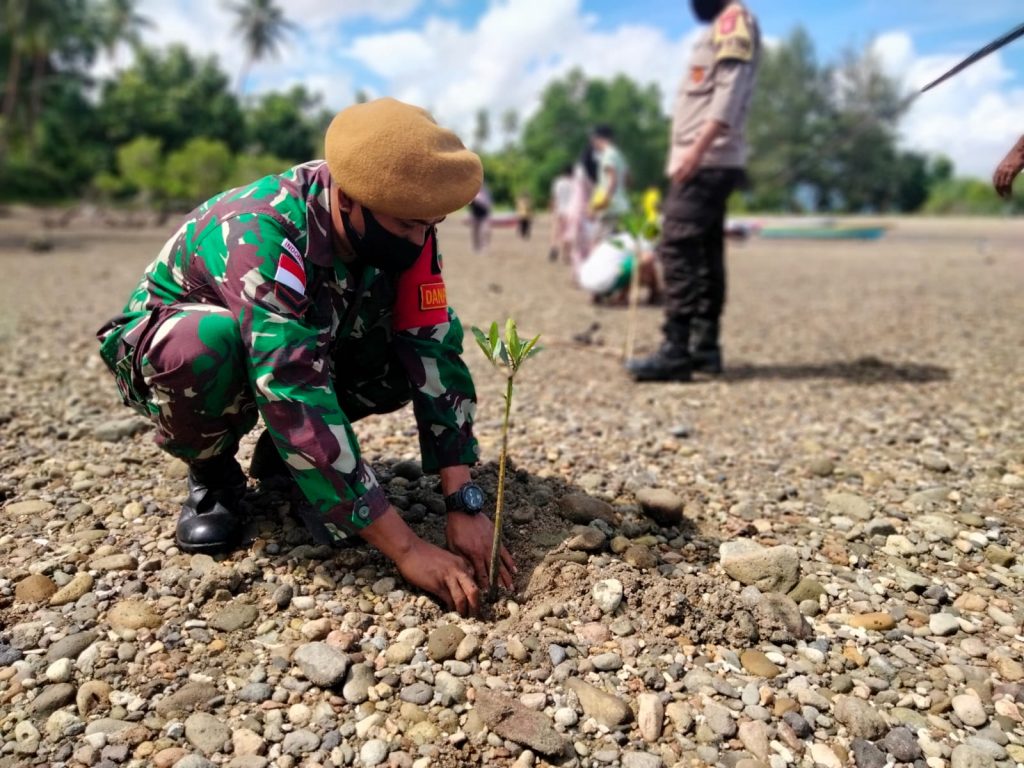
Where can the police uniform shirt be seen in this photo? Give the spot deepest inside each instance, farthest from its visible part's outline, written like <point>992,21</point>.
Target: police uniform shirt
<point>718,85</point>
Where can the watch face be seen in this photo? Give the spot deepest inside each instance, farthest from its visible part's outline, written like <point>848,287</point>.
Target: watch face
<point>473,498</point>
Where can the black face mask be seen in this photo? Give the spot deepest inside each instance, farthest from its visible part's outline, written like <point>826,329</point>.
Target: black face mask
<point>707,10</point>
<point>378,247</point>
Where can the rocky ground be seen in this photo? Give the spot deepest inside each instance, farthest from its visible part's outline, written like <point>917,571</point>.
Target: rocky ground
<point>813,560</point>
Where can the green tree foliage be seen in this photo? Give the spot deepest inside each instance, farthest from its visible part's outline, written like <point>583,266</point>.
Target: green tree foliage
<point>285,125</point>
<point>556,134</point>
<point>140,164</point>
<point>174,96</point>
<point>43,43</point>
<point>969,197</point>
<point>787,127</point>
<point>197,171</point>
<point>825,138</point>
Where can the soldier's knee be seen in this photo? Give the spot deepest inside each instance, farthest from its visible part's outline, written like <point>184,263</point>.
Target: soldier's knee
<point>191,343</point>
<point>219,333</point>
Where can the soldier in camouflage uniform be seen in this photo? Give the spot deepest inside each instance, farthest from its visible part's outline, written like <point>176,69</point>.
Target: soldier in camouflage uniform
<point>315,298</point>
<point>705,164</point>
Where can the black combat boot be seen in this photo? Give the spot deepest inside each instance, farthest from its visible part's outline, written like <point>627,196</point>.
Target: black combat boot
<point>672,360</point>
<point>705,351</point>
<point>209,519</point>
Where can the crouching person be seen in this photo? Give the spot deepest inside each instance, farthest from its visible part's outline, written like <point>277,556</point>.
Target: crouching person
<point>315,298</point>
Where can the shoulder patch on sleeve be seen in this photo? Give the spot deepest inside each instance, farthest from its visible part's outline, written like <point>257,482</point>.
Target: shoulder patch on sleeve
<point>732,38</point>
<point>420,296</point>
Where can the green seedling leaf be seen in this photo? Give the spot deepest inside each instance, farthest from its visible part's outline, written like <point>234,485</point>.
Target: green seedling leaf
<point>494,336</point>
<point>483,342</point>
<point>512,340</point>
<point>531,348</point>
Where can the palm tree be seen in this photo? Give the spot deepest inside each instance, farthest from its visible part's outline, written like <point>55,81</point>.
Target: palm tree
<point>262,25</point>
<point>121,23</point>
<point>14,19</point>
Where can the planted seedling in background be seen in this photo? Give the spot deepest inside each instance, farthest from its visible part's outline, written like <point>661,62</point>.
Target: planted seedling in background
<point>508,355</point>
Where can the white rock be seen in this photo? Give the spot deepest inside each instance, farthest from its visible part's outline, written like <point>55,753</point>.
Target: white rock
<point>608,595</point>
<point>650,716</point>
<point>822,755</point>
<point>970,710</point>
<point>60,671</point>
<point>943,624</point>
<point>374,752</point>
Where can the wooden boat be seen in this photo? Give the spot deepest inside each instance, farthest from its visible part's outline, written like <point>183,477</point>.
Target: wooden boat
<point>837,232</point>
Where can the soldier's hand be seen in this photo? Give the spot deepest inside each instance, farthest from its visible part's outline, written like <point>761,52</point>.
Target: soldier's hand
<point>472,536</point>
<point>1005,173</point>
<point>443,574</point>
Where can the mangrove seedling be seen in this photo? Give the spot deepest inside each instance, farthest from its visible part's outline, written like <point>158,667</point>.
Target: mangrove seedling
<point>508,355</point>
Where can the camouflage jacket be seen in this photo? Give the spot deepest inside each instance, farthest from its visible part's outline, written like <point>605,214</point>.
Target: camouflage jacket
<point>311,326</point>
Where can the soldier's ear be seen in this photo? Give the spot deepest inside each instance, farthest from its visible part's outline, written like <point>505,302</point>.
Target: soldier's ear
<point>343,201</point>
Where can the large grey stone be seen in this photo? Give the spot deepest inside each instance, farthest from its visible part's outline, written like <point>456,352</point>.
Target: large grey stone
<point>662,506</point>
<point>71,646</point>
<point>206,733</point>
<point>860,718</point>
<point>322,664</point>
<point>53,697</point>
<point>967,756</point>
<point>606,708</point>
<point>511,720</point>
<point>849,505</point>
<point>188,698</point>
<point>770,569</point>
<point>583,509</point>
<point>444,641</point>
<point>235,615</point>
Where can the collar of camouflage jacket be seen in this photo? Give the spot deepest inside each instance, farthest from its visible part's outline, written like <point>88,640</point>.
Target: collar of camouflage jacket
<point>319,243</point>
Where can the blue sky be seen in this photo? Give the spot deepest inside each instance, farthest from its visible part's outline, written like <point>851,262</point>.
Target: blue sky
<point>457,56</point>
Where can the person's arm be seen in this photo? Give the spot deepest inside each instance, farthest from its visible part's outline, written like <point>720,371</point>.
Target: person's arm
<point>290,377</point>
<point>689,161</point>
<point>1008,169</point>
<point>428,340</point>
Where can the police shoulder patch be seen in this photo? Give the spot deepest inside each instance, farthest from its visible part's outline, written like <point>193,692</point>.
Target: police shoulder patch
<point>732,38</point>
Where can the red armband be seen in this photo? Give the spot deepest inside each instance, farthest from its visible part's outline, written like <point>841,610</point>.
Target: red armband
<point>421,299</point>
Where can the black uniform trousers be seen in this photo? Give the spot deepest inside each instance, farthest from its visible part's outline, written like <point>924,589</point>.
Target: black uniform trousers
<point>692,252</point>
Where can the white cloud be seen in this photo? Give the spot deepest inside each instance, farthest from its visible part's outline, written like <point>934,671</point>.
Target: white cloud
<point>320,12</point>
<point>505,61</point>
<point>973,118</point>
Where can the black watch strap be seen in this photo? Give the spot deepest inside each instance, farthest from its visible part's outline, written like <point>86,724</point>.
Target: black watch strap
<point>459,501</point>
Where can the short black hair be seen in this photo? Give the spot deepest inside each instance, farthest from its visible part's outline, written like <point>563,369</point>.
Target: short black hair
<point>589,163</point>
<point>603,131</point>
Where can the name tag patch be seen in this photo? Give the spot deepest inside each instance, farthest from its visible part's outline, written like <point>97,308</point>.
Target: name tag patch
<point>433,296</point>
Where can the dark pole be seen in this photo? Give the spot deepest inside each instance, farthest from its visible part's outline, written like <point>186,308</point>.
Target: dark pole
<point>995,45</point>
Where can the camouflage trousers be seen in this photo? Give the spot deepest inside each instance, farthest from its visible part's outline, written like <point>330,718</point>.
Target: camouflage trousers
<point>187,372</point>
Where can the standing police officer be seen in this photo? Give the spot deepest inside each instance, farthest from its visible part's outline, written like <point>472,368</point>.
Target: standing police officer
<point>706,159</point>
<point>314,298</point>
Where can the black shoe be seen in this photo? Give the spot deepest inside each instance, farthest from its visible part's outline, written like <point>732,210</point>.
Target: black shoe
<point>705,352</point>
<point>209,520</point>
<point>709,362</point>
<point>266,464</point>
<point>661,366</point>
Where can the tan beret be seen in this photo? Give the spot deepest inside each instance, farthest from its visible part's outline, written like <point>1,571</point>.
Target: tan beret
<point>394,159</point>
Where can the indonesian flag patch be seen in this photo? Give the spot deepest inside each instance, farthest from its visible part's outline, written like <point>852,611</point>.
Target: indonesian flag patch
<point>290,270</point>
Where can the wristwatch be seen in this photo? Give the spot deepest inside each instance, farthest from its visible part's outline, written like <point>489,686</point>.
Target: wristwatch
<point>468,499</point>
